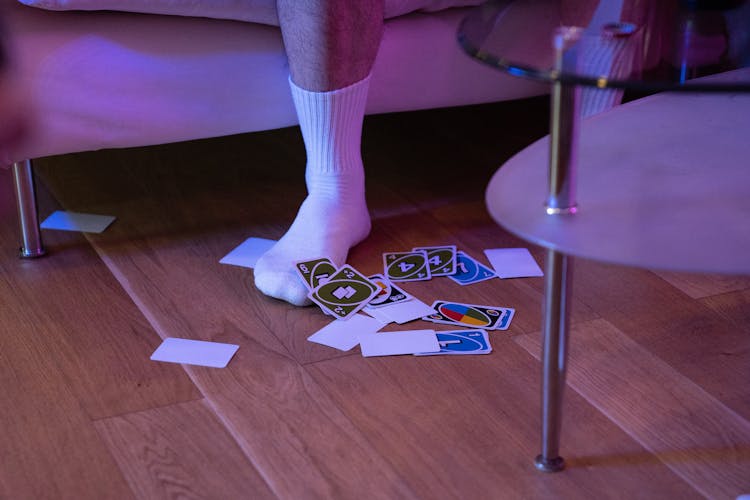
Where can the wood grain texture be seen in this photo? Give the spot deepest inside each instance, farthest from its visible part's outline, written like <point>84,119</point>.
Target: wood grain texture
<point>693,433</point>
<point>49,446</point>
<point>180,451</point>
<point>698,286</point>
<point>468,427</point>
<point>338,425</point>
<point>98,340</point>
<point>698,342</point>
<point>165,251</point>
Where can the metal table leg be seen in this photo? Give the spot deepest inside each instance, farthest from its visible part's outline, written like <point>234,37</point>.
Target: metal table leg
<point>561,202</point>
<point>31,239</point>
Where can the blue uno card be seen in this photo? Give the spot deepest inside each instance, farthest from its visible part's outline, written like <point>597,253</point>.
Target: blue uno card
<point>461,342</point>
<point>469,270</point>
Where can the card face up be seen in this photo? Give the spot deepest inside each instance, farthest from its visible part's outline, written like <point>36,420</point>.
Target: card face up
<point>194,352</point>
<point>248,252</point>
<point>344,335</point>
<point>394,343</point>
<point>513,262</point>
<point>76,221</point>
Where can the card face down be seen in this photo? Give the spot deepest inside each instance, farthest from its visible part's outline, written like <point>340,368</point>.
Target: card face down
<point>247,253</point>
<point>77,221</point>
<point>470,315</point>
<point>395,343</point>
<point>513,262</point>
<point>194,352</point>
<point>345,293</point>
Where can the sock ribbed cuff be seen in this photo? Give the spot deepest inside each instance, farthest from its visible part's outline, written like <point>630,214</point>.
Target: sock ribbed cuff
<point>331,124</point>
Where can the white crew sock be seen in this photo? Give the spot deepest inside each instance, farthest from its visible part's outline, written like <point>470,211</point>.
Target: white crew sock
<point>334,217</point>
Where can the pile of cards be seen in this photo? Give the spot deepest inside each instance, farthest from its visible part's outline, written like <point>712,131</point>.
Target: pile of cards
<point>343,292</point>
<point>424,263</point>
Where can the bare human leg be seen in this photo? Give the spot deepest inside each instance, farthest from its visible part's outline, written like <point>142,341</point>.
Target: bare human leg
<point>331,46</point>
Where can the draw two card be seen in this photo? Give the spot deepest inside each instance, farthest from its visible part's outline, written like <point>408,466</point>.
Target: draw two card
<point>345,293</point>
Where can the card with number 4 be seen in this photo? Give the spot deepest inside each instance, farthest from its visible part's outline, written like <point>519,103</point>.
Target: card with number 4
<point>406,266</point>
<point>345,293</point>
<point>442,259</point>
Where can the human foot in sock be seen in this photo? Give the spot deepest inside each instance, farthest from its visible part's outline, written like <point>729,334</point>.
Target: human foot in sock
<point>334,216</point>
<point>322,228</point>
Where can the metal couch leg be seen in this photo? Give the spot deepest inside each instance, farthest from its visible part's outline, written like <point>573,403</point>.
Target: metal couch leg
<point>31,239</point>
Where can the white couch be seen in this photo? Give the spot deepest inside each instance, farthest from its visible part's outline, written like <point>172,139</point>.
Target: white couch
<point>113,79</point>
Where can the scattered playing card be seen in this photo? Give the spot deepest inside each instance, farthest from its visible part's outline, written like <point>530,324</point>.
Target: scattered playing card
<point>513,262</point>
<point>76,221</point>
<point>388,294</point>
<point>194,352</point>
<point>344,335</point>
<point>470,315</point>
<point>461,342</point>
<point>345,293</point>
<point>402,312</point>
<point>406,266</point>
<point>469,270</point>
<point>315,272</point>
<point>248,252</point>
<point>395,343</point>
<point>442,259</point>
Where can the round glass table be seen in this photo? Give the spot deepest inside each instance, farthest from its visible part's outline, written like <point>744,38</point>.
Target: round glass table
<point>660,182</point>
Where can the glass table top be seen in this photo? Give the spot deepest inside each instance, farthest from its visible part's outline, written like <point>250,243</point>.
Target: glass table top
<point>646,45</point>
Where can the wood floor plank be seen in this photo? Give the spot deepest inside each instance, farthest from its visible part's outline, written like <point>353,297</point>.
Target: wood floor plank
<point>698,437</point>
<point>101,342</point>
<point>698,286</point>
<point>698,342</point>
<point>50,448</point>
<point>180,451</point>
<point>165,253</point>
<point>734,307</point>
<point>467,427</point>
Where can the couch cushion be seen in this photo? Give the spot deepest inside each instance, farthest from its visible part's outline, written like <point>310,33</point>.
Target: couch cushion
<point>259,11</point>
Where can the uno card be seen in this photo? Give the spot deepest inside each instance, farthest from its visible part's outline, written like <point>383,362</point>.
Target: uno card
<point>470,315</point>
<point>462,342</point>
<point>470,270</point>
<point>315,272</point>
<point>406,266</point>
<point>345,293</point>
<point>442,259</point>
<point>388,294</point>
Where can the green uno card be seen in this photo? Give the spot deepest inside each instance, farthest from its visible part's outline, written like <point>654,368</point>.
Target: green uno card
<point>406,266</point>
<point>315,272</point>
<point>345,293</point>
<point>442,259</point>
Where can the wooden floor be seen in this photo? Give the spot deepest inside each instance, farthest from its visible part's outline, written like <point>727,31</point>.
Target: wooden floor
<point>657,404</point>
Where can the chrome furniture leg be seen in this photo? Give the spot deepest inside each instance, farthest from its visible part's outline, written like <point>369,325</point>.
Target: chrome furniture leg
<point>561,201</point>
<point>557,285</point>
<point>31,239</point>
